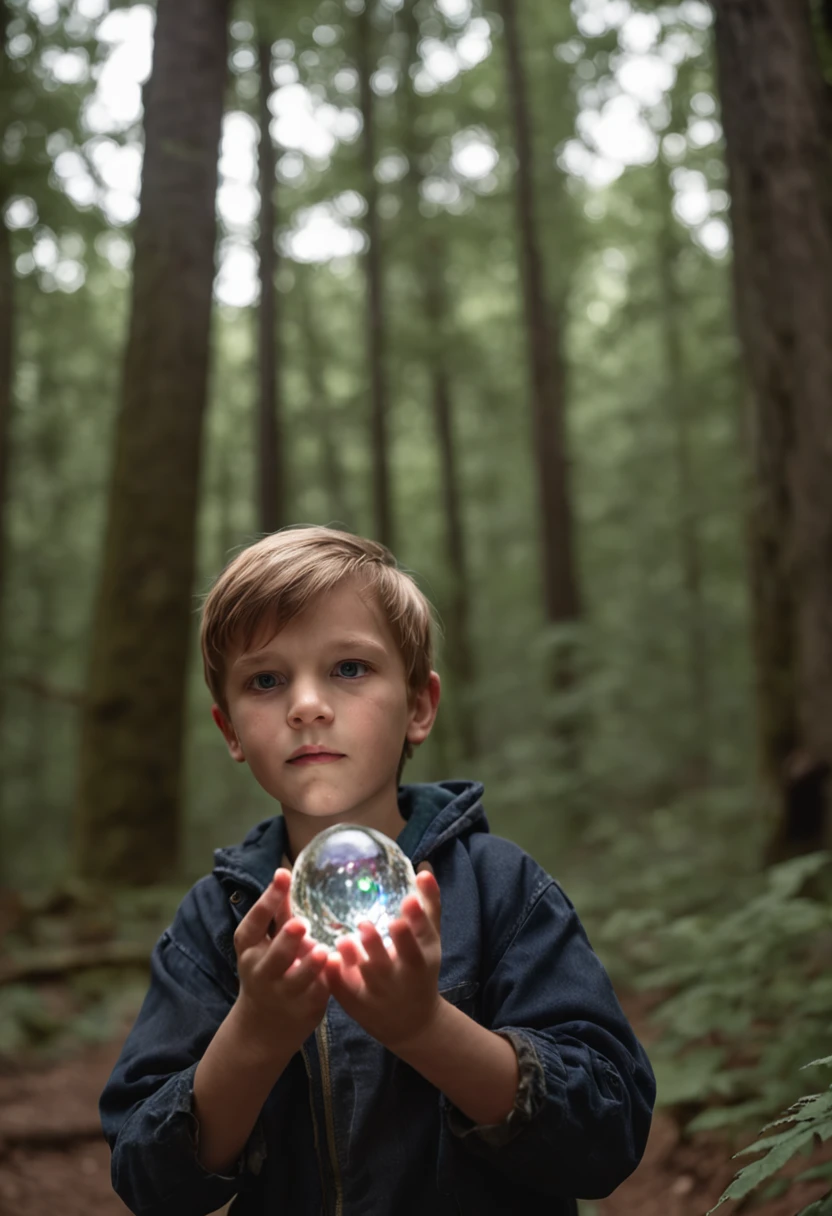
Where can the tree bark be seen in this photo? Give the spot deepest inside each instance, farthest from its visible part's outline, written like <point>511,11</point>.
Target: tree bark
<point>271,463</point>
<point>332,473</point>
<point>459,653</point>
<point>6,390</point>
<point>678,401</point>
<point>6,384</point>
<point>779,167</point>
<point>376,336</point>
<point>128,810</point>
<point>431,277</point>
<point>7,327</point>
<point>562,599</point>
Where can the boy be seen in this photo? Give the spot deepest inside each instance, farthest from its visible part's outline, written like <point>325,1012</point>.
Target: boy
<point>479,1065</point>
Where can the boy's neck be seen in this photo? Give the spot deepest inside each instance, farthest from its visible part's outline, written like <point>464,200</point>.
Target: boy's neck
<point>301,829</point>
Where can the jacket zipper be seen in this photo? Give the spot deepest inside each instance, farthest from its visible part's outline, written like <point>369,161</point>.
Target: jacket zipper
<point>326,1081</point>
<point>307,1065</point>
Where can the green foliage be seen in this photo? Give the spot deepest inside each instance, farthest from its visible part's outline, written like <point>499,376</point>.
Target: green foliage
<point>737,970</point>
<point>806,1122</point>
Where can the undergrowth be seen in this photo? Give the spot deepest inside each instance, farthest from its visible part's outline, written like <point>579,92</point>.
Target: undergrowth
<point>737,961</point>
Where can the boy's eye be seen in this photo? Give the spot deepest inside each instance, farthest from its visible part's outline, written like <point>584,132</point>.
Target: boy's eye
<point>264,681</point>
<point>351,669</point>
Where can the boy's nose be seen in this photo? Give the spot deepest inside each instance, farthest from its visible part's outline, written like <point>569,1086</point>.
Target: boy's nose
<point>308,705</point>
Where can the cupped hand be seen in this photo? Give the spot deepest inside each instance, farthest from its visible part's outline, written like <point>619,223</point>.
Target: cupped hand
<point>393,993</point>
<point>283,993</point>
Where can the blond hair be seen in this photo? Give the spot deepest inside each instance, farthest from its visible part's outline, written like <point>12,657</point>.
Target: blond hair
<point>274,579</point>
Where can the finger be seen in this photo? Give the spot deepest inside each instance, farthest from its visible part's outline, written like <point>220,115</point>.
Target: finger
<point>343,983</point>
<point>350,952</point>
<point>407,946</point>
<point>424,867</point>
<point>304,971</point>
<point>375,949</point>
<point>269,907</point>
<point>416,917</point>
<point>284,949</point>
<point>431,896</point>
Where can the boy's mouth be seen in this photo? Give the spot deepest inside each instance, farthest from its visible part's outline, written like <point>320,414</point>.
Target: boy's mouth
<point>313,755</point>
<point>316,758</point>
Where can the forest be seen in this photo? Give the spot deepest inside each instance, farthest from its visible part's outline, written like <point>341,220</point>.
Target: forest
<point>537,294</point>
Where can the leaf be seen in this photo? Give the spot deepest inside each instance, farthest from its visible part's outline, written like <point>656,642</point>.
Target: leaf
<point>817,1171</point>
<point>821,1207</point>
<point>782,1149</point>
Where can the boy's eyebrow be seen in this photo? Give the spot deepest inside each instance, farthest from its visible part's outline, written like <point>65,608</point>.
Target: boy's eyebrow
<point>346,642</point>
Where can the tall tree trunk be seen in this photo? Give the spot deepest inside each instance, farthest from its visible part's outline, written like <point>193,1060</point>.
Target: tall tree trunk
<point>7,320</point>
<point>6,385</point>
<point>431,273</point>
<point>271,464</point>
<point>332,473</point>
<point>129,814</point>
<point>459,653</point>
<point>6,389</point>
<point>376,338</point>
<point>779,167</point>
<point>562,599</point>
<point>677,395</point>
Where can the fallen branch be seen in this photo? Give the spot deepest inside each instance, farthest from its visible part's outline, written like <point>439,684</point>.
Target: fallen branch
<point>47,964</point>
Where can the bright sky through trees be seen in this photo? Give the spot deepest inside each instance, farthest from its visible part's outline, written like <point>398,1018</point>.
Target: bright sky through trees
<point>612,133</point>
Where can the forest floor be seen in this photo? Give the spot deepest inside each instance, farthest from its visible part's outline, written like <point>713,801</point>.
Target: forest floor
<point>52,1157</point>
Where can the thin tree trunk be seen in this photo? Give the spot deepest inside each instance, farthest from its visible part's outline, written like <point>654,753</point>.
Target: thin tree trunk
<point>562,599</point>
<point>271,464</point>
<point>779,167</point>
<point>6,384</point>
<point>690,550</point>
<point>430,270</point>
<point>320,408</point>
<point>225,492</point>
<point>376,337</point>
<point>459,652</point>
<point>6,389</point>
<point>129,812</point>
<point>7,326</point>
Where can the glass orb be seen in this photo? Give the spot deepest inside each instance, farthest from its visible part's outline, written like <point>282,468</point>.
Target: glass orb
<point>346,875</point>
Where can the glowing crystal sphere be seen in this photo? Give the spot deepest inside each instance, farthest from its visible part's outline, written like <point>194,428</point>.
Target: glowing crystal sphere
<point>346,875</point>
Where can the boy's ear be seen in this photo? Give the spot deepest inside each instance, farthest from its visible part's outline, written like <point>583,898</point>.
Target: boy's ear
<point>228,733</point>
<point>423,710</point>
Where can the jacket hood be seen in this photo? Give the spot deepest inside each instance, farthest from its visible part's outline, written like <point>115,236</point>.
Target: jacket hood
<point>447,809</point>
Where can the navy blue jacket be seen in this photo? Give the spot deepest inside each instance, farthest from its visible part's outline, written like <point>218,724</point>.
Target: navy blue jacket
<point>349,1129</point>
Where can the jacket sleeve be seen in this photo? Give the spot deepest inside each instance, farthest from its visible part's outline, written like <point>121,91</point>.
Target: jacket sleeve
<point>584,1104</point>
<point>147,1105</point>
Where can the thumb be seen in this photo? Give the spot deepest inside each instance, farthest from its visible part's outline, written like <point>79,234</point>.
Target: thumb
<point>429,892</point>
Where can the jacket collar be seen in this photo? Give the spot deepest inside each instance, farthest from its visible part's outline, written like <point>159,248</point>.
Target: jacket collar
<point>458,811</point>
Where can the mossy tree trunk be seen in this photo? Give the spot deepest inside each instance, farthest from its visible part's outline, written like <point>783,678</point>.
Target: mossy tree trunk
<point>780,169</point>
<point>129,809</point>
<point>679,406</point>
<point>320,405</point>
<point>431,261</point>
<point>376,328</point>
<point>547,382</point>
<point>271,462</point>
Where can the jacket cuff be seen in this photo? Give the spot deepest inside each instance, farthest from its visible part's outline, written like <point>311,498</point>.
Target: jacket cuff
<point>253,1155</point>
<point>529,1099</point>
<point>181,1123</point>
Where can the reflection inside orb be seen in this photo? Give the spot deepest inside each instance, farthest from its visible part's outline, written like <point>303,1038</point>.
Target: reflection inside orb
<point>346,875</point>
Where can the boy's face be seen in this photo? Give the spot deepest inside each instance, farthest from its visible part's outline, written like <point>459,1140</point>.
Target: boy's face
<point>320,712</point>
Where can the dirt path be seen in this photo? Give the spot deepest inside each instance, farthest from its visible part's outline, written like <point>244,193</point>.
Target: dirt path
<point>52,1159</point>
